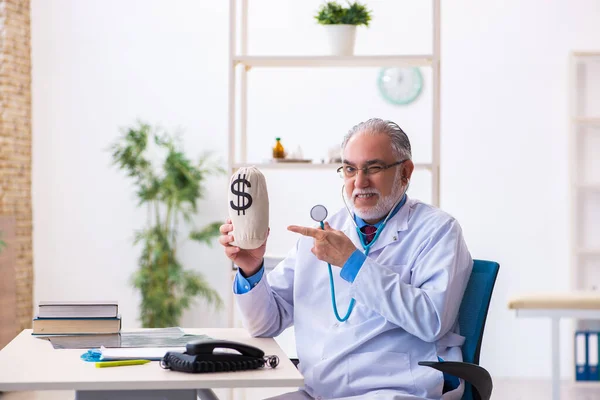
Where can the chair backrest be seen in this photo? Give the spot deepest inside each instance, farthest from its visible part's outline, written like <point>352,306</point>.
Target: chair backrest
<point>473,312</point>
<point>474,307</point>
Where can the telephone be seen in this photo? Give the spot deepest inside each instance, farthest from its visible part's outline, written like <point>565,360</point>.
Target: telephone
<point>200,356</point>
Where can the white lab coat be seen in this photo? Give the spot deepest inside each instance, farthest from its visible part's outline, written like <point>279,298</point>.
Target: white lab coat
<point>407,294</point>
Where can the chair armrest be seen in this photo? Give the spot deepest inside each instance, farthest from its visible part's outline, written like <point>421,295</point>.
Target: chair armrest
<point>478,377</point>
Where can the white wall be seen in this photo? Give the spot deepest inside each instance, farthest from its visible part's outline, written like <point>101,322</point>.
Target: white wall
<point>505,125</point>
<point>98,66</point>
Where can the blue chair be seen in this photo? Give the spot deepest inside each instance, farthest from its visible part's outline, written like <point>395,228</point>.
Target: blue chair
<point>471,320</point>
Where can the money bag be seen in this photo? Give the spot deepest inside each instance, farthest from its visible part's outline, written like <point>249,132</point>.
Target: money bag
<point>249,208</point>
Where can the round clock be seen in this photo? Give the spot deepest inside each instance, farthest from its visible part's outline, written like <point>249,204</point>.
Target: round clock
<point>400,85</point>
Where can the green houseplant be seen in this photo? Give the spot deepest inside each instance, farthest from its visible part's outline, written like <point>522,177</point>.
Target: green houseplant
<point>341,22</point>
<point>169,185</point>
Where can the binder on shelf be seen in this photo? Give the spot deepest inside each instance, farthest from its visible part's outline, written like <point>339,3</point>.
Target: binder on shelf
<point>581,363</point>
<point>592,356</point>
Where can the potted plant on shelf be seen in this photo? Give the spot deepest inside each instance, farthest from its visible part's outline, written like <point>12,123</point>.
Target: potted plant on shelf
<point>169,185</point>
<point>340,23</point>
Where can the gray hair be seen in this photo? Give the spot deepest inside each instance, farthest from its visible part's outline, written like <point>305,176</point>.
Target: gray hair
<point>399,139</point>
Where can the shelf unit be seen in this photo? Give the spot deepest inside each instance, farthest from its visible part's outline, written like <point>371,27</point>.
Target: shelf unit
<point>584,178</point>
<point>241,63</point>
<point>239,59</point>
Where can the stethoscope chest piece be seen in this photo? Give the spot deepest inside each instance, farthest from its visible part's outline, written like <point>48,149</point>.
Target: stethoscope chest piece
<point>318,213</point>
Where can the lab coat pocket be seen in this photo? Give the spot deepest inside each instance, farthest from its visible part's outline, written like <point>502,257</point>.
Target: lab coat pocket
<point>372,370</point>
<point>403,270</point>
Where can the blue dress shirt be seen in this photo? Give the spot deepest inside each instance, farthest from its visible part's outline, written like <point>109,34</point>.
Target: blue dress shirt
<point>244,285</point>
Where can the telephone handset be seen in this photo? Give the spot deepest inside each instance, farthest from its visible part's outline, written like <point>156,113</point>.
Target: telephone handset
<point>208,347</point>
<point>200,356</point>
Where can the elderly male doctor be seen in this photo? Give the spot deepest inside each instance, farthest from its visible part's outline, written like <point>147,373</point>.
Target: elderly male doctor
<point>402,298</point>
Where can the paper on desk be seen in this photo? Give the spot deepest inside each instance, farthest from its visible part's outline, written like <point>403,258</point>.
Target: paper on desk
<point>142,353</point>
<point>147,353</point>
<point>156,337</point>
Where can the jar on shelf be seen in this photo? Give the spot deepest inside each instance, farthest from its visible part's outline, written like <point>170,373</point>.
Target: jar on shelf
<point>278,150</point>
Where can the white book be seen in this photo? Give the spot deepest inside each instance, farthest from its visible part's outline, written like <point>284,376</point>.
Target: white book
<point>78,309</point>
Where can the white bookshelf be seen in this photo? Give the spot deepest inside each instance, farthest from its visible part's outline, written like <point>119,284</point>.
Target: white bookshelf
<point>584,175</point>
<point>241,64</point>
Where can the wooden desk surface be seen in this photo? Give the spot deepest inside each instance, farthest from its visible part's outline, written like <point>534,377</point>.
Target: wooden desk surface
<point>575,300</point>
<point>30,363</point>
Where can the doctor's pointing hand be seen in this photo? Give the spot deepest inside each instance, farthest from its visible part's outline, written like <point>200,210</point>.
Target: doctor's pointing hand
<point>330,245</point>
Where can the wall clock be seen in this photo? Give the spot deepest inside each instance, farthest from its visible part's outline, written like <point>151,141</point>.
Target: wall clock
<point>400,85</point>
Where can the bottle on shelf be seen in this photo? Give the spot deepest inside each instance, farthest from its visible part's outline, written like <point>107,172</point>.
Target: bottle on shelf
<point>278,150</point>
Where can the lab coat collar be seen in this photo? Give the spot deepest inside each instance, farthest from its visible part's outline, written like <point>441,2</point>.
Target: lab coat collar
<point>397,223</point>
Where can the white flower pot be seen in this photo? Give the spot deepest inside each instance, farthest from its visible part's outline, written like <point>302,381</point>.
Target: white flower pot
<point>341,39</point>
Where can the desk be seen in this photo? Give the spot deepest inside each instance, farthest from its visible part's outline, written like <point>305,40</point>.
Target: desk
<point>30,363</point>
<point>578,305</point>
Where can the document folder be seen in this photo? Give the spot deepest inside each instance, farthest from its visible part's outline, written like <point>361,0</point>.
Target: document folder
<point>581,363</point>
<point>592,357</point>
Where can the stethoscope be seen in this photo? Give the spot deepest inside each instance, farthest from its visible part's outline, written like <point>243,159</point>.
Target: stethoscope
<point>319,214</point>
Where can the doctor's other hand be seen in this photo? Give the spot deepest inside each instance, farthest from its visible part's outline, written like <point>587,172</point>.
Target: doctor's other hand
<point>249,261</point>
<point>330,245</point>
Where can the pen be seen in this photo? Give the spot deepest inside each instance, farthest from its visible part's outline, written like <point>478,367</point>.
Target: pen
<point>120,363</point>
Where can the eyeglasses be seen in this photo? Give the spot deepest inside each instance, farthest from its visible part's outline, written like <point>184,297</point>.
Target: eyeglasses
<point>348,171</point>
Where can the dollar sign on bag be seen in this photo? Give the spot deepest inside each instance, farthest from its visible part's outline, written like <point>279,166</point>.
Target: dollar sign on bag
<point>241,195</point>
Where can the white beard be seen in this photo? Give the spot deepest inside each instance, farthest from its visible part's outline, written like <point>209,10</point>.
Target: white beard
<point>380,209</point>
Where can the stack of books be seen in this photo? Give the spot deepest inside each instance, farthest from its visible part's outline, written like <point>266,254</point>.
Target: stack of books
<point>77,318</point>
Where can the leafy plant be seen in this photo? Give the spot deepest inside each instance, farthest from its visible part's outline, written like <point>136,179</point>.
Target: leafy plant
<point>169,185</point>
<point>333,13</point>
<point>2,243</point>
